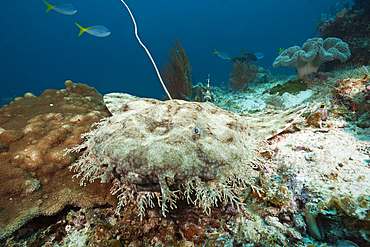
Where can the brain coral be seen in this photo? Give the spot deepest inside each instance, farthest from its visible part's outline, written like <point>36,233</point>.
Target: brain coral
<point>153,149</point>
<point>313,53</point>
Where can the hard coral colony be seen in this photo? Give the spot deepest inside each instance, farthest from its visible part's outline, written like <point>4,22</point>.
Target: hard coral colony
<point>34,133</point>
<point>151,149</point>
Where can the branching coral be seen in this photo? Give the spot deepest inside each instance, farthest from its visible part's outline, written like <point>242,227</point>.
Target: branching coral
<point>242,76</point>
<point>177,73</point>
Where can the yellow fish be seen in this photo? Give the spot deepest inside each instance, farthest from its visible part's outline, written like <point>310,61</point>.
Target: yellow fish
<point>222,55</point>
<point>97,30</point>
<point>64,8</point>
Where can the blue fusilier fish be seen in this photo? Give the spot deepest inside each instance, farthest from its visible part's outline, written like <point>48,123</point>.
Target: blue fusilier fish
<point>97,30</point>
<point>222,54</point>
<point>259,55</point>
<point>64,8</point>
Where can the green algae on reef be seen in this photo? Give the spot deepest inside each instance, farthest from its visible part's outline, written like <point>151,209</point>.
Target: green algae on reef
<point>292,87</point>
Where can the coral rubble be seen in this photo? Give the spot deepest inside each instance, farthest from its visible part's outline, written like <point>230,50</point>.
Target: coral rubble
<point>34,131</point>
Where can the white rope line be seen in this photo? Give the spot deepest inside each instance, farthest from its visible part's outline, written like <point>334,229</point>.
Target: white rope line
<point>147,51</point>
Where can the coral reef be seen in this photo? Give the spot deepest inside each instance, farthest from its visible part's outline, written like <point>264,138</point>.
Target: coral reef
<point>34,131</point>
<point>361,4</point>
<point>152,150</point>
<point>353,93</point>
<point>336,178</point>
<point>102,227</point>
<point>328,176</point>
<point>242,75</point>
<point>313,53</point>
<point>352,26</point>
<point>309,189</point>
<point>177,73</point>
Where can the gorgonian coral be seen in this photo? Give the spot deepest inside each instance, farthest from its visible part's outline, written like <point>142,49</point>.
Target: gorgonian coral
<point>176,74</point>
<point>242,76</point>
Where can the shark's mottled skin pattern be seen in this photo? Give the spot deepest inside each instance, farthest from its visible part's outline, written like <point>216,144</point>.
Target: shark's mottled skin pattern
<point>170,148</point>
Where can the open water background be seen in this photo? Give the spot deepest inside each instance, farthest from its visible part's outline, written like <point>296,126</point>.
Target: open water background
<point>41,50</point>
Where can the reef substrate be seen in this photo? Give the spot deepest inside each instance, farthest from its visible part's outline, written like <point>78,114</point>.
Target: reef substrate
<point>312,191</point>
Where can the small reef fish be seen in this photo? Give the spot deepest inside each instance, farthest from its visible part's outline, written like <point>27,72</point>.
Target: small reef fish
<point>281,50</point>
<point>208,98</point>
<point>97,30</point>
<point>222,54</point>
<point>249,56</point>
<point>238,59</point>
<point>64,8</point>
<point>259,55</point>
<point>322,108</point>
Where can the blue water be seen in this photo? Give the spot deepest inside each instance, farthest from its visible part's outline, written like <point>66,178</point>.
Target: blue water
<point>41,50</point>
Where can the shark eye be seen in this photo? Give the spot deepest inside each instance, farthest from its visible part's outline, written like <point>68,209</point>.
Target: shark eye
<point>197,133</point>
